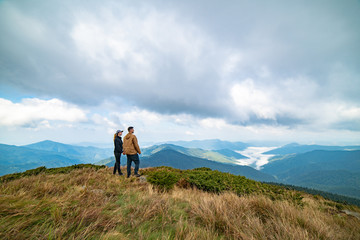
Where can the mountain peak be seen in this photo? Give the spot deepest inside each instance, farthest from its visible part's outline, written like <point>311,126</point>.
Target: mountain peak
<point>45,143</point>
<point>294,144</point>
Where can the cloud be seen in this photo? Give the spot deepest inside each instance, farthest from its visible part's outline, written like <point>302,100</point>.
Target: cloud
<point>189,133</point>
<point>284,64</point>
<point>248,99</point>
<point>34,112</point>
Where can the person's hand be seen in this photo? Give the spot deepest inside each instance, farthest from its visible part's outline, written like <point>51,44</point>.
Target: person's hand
<point>123,153</point>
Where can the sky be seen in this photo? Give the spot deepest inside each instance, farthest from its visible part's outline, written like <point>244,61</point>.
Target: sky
<point>280,71</point>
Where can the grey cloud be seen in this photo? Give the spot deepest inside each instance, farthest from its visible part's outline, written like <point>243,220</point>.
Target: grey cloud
<point>349,125</point>
<point>169,57</point>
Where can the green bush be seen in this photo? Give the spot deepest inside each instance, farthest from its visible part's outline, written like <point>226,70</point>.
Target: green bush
<point>216,181</point>
<point>206,180</point>
<point>202,169</point>
<point>164,178</point>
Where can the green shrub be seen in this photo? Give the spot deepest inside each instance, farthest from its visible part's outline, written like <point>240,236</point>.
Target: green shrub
<point>202,169</point>
<point>206,180</point>
<point>164,178</point>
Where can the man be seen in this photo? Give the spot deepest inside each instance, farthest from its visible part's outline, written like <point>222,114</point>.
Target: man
<point>118,149</point>
<point>132,149</point>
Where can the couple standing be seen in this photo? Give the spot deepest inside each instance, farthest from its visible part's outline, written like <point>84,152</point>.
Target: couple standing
<point>130,147</point>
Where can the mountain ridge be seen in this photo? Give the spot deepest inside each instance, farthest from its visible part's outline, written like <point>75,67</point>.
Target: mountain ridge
<point>87,154</point>
<point>222,155</point>
<point>17,158</point>
<point>298,148</point>
<point>319,166</point>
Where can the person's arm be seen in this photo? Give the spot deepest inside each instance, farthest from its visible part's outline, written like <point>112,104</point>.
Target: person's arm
<point>124,147</point>
<point>136,145</point>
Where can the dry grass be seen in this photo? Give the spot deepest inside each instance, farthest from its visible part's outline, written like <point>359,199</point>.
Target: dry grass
<point>89,204</point>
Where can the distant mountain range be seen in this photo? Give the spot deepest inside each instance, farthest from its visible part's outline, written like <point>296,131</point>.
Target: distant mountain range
<point>223,155</point>
<point>211,144</point>
<point>18,159</point>
<point>83,154</point>
<point>297,148</point>
<point>333,171</point>
<point>48,154</point>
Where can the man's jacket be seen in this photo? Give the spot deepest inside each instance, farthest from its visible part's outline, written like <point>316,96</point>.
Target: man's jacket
<point>131,146</point>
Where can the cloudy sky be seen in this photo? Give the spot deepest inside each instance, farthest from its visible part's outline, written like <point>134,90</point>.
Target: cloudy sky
<point>75,71</point>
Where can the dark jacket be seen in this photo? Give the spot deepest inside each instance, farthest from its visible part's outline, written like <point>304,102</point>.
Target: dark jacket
<point>118,144</point>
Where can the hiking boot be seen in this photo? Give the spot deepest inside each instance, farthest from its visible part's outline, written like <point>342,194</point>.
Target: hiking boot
<point>120,174</point>
<point>137,175</point>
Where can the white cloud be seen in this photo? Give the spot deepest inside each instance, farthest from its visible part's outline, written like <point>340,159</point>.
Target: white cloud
<point>213,123</point>
<point>249,99</point>
<point>352,113</point>
<point>190,133</point>
<point>130,46</point>
<point>335,113</point>
<point>31,112</point>
<point>232,63</point>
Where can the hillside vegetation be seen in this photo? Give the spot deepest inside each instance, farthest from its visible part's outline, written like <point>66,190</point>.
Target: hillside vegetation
<point>92,203</point>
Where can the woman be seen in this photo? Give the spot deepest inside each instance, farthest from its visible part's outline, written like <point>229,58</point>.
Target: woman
<point>118,149</point>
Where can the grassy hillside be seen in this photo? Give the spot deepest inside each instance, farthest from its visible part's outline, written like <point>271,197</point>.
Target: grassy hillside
<point>92,203</point>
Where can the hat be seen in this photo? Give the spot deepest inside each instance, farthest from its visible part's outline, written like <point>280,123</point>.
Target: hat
<point>119,131</point>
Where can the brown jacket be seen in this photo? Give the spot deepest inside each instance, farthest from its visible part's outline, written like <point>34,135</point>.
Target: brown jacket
<point>131,146</point>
